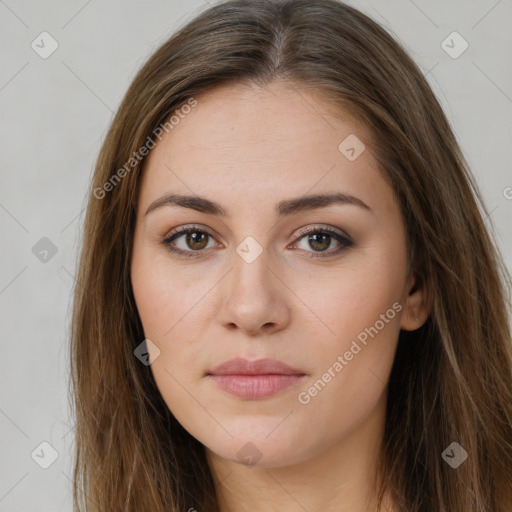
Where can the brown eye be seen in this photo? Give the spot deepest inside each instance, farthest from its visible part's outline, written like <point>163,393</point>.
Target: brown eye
<point>196,240</point>
<point>187,241</point>
<point>320,239</point>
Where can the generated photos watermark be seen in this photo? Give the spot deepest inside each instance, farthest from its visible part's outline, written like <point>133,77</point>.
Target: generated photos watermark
<point>137,156</point>
<point>304,397</point>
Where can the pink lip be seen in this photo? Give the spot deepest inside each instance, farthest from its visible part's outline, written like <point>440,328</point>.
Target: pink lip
<point>255,379</point>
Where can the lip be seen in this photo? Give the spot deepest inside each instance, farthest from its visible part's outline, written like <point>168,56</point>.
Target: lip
<point>256,379</point>
<point>242,366</point>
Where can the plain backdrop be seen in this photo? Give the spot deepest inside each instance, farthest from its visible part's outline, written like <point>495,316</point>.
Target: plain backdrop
<point>54,113</point>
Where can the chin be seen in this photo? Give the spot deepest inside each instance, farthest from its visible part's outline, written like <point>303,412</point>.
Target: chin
<point>257,445</point>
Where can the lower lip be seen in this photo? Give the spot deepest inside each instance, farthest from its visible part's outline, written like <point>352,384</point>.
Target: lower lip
<point>253,387</point>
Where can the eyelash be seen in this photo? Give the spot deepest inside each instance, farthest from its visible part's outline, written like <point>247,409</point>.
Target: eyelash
<point>343,240</point>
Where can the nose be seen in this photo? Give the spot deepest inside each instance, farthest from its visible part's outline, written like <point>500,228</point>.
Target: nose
<point>254,297</point>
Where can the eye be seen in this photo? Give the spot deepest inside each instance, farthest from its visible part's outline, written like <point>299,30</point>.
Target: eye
<point>320,239</point>
<point>195,239</point>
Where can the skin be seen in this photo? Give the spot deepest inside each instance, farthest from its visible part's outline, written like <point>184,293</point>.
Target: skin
<point>248,148</point>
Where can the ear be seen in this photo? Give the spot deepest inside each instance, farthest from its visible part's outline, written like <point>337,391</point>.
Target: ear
<point>417,303</point>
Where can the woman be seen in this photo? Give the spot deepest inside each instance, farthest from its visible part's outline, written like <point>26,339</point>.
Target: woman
<point>287,297</point>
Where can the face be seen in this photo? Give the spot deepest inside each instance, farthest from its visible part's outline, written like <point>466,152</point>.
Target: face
<point>319,285</point>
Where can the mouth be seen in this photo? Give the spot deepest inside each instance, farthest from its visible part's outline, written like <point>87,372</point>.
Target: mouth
<point>253,380</point>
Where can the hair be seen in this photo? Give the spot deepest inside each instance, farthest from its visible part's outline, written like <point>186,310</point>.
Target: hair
<point>451,378</point>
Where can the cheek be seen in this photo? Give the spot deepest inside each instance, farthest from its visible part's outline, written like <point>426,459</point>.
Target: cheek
<point>165,304</point>
<point>164,297</point>
<point>156,301</point>
<point>342,305</point>
<point>351,364</point>
<point>353,333</point>
<point>171,305</point>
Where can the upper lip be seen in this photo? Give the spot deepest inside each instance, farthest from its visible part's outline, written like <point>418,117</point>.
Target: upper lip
<point>241,366</point>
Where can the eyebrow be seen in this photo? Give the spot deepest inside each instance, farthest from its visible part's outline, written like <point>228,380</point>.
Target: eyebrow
<point>283,208</point>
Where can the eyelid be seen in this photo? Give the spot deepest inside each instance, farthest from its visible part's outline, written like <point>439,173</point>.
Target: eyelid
<point>188,227</point>
<point>320,227</point>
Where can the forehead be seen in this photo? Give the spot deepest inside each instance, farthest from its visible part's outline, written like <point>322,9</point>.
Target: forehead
<point>261,142</point>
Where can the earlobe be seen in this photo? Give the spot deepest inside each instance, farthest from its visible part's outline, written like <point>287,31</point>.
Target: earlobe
<point>417,304</point>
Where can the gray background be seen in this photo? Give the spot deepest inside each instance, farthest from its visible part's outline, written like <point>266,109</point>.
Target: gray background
<point>54,114</point>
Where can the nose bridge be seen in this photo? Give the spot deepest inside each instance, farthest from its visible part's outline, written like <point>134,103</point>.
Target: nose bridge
<point>251,268</point>
<point>251,297</point>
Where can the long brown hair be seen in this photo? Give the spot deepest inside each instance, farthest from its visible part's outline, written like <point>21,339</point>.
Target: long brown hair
<point>451,379</point>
